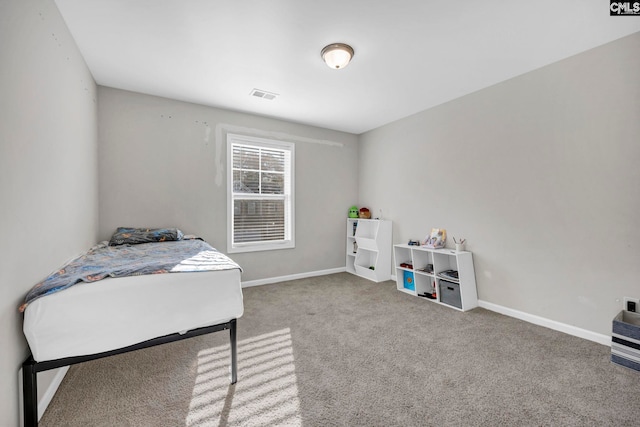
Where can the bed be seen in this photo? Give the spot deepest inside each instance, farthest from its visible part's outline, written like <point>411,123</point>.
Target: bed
<point>86,311</point>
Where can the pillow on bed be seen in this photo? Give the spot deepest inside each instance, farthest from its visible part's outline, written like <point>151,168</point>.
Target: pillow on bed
<point>134,236</point>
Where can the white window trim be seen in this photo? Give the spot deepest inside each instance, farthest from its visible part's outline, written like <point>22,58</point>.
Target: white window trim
<point>289,221</point>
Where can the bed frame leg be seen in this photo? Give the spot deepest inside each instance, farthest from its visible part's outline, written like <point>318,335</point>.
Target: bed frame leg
<point>234,354</point>
<point>30,393</point>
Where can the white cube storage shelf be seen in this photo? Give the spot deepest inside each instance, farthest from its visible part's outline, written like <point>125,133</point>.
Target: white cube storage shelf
<point>369,248</point>
<point>460,294</point>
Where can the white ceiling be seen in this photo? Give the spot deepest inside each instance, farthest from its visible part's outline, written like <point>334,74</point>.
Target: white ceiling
<point>410,55</point>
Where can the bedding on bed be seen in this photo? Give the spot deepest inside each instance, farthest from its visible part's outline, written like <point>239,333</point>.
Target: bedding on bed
<point>135,236</point>
<point>103,261</point>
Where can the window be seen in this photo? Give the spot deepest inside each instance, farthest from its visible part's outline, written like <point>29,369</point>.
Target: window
<point>260,194</point>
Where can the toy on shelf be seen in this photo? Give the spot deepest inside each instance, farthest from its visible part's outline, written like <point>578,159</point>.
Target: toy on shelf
<point>353,212</point>
<point>436,239</point>
<point>365,213</point>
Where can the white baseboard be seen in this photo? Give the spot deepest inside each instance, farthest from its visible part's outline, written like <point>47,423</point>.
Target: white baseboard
<point>51,390</point>
<point>541,321</point>
<point>270,280</point>
<point>48,394</point>
<point>547,323</point>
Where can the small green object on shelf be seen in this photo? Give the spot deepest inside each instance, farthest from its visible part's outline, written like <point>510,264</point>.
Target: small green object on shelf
<point>372,267</point>
<point>353,212</point>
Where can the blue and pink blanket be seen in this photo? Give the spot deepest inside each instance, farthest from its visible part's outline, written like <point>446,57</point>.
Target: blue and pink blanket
<point>103,261</point>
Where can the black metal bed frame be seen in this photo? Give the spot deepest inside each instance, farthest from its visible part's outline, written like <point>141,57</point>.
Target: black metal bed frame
<point>30,367</point>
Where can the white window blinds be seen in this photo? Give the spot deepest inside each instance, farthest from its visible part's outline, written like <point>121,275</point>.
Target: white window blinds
<point>261,196</point>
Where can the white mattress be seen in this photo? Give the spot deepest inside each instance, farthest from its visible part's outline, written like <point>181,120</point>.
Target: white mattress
<point>109,314</point>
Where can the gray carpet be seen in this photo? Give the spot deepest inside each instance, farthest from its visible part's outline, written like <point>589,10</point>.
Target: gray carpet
<point>338,350</point>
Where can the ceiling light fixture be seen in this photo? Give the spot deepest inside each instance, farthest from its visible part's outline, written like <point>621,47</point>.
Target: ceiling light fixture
<point>337,55</point>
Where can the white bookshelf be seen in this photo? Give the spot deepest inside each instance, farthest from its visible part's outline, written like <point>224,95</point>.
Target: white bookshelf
<point>369,248</point>
<point>460,294</point>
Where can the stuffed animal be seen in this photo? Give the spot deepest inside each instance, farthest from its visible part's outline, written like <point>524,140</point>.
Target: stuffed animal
<point>365,213</point>
<point>353,212</point>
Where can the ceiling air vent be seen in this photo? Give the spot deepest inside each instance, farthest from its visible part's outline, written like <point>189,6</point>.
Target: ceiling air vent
<point>263,94</point>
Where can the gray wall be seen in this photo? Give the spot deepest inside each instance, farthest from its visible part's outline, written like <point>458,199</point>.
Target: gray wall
<point>540,173</point>
<point>163,163</point>
<point>48,167</point>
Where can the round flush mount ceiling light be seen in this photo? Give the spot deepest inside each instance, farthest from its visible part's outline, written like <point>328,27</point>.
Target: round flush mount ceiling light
<point>337,55</point>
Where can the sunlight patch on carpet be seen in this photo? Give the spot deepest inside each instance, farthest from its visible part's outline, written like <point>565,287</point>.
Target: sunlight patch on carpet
<point>266,393</point>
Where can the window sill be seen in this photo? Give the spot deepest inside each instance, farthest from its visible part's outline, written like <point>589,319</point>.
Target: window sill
<point>256,247</point>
